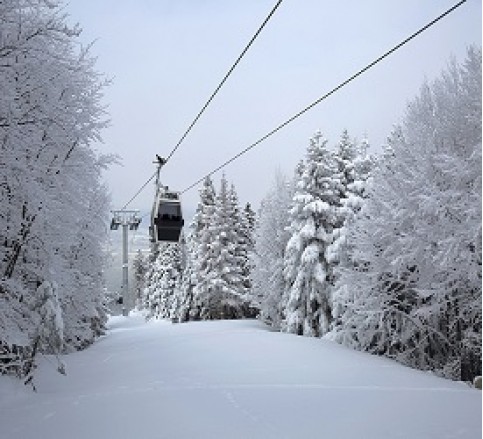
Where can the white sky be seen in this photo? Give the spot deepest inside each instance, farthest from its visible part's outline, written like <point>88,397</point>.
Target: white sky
<point>166,57</point>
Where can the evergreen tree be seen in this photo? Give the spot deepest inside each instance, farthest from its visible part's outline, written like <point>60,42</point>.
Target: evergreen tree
<point>215,287</point>
<point>271,238</point>
<point>354,166</point>
<point>222,279</point>
<point>177,301</point>
<point>240,243</point>
<point>140,268</point>
<point>247,235</point>
<point>164,281</point>
<point>314,216</point>
<point>202,236</point>
<point>184,310</point>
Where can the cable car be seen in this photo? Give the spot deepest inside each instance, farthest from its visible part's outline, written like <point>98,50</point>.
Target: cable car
<point>166,216</point>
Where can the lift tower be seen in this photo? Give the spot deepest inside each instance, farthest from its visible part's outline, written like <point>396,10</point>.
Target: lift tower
<point>129,220</point>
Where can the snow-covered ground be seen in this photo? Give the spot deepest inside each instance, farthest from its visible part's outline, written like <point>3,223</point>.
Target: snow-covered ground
<point>232,379</point>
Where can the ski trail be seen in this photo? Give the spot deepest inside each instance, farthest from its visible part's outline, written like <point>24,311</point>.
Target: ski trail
<point>234,380</point>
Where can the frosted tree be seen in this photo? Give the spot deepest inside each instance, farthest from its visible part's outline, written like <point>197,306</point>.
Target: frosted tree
<point>182,267</point>
<point>140,267</point>
<point>217,257</point>
<point>247,241</point>
<point>164,281</point>
<point>49,337</point>
<point>220,277</point>
<point>271,238</point>
<point>354,166</point>
<point>314,216</point>
<point>202,234</point>
<point>251,220</point>
<point>52,202</point>
<point>416,292</point>
<point>150,282</point>
<point>183,311</point>
<point>240,242</point>
<point>81,288</point>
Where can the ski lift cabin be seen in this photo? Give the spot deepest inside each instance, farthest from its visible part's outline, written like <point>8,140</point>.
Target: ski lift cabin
<point>166,219</point>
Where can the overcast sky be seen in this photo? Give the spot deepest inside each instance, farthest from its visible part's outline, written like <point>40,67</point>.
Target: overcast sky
<point>167,56</point>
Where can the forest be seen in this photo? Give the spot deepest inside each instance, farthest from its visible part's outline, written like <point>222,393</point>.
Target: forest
<point>378,252</point>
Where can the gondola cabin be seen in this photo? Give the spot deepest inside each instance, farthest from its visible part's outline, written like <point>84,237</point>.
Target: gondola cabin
<point>167,218</point>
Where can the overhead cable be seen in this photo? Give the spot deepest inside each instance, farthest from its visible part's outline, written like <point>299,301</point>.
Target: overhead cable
<point>245,50</point>
<point>325,96</point>
<point>195,120</point>
<point>139,191</point>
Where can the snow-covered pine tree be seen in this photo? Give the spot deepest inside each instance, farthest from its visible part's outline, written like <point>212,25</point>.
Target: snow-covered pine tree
<point>271,238</point>
<point>354,166</point>
<point>242,223</point>
<point>198,286</point>
<point>416,292</point>
<point>314,216</point>
<point>364,165</point>
<point>344,158</point>
<point>165,280</point>
<point>240,242</point>
<point>150,282</point>
<point>217,264</point>
<point>221,277</point>
<point>247,230</point>
<point>140,268</point>
<point>184,301</point>
<point>177,301</point>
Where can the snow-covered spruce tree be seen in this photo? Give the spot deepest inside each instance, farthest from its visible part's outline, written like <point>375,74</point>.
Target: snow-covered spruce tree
<point>344,158</point>
<point>247,234</point>
<point>240,242</point>
<point>416,293</point>
<point>308,272</point>
<point>219,291</point>
<point>242,222</point>
<point>220,277</point>
<point>354,166</point>
<point>271,238</point>
<point>164,281</point>
<point>150,282</point>
<point>196,287</point>
<point>51,224</point>
<point>170,263</point>
<point>184,299</point>
<point>177,300</point>
<point>140,267</point>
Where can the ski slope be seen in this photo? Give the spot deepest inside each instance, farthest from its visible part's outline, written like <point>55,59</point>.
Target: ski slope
<point>232,379</point>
